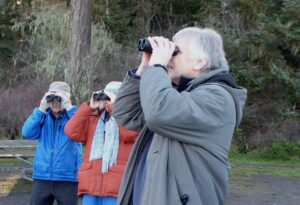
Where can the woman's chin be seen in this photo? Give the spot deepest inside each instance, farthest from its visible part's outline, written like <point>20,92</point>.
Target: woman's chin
<point>56,110</point>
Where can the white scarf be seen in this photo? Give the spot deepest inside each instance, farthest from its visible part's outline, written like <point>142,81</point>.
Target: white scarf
<point>105,144</point>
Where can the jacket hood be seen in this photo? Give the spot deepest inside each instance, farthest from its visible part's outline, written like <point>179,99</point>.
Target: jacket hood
<point>224,79</point>
<point>239,95</point>
<point>219,75</point>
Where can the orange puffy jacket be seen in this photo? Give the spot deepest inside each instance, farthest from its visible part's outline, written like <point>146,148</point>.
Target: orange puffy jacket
<point>92,181</point>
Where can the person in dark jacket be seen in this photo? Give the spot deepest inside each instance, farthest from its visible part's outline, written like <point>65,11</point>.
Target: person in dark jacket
<point>57,158</point>
<point>185,105</point>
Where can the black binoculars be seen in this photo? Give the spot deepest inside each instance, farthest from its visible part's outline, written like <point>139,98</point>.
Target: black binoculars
<point>144,45</point>
<point>53,98</point>
<point>100,96</point>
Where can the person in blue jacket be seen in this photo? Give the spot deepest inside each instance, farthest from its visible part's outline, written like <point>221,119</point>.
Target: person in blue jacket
<point>57,158</point>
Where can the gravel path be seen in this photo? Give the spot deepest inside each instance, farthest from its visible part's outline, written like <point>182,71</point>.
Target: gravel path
<point>264,190</point>
<point>244,190</point>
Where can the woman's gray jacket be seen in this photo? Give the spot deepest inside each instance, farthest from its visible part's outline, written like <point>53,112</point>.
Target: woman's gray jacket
<point>187,162</point>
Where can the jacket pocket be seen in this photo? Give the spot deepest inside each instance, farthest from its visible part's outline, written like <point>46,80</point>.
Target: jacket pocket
<point>87,179</point>
<point>65,161</point>
<point>41,169</point>
<point>113,178</point>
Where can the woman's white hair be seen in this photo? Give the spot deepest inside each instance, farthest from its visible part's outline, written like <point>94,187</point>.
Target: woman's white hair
<point>205,43</point>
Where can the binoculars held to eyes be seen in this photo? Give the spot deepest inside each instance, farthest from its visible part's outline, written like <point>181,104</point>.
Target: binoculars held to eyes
<point>100,96</point>
<point>144,45</point>
<point>53,98</point>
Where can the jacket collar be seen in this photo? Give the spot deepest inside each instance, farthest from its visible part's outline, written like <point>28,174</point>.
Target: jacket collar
<point>201,79</point>
<point>61,115</point>
<point>186,83</point>
<point>183,83</point>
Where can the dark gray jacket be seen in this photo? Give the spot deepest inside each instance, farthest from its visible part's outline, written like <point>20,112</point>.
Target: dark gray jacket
<point>187,159</point>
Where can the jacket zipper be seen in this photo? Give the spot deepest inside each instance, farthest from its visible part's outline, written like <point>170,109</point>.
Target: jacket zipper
<point>52,148</point>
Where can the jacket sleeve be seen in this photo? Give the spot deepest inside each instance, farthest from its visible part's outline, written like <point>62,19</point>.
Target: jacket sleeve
<point>184,116</point>
<point>127,107</point>
<point>72,111</point>
<point>77,127</point>
<point>32,126</point>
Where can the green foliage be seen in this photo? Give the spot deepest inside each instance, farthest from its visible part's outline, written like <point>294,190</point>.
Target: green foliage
<point>48,58</point>
<point>18,49</point>
<point>290,84</point>
<point>283,150</point>
<point>130,20</point>
<point>259,35</point>
<point>255,163</point>
<point>274,46</point>
<point>8,43</point>
<point>253,170</point>
<point>262,43</point>
<point>240,141</point>
<point>7,12</point>
<point>259,159</point>
<point>103,45</point>
<point>261,39</point>
<point>119,20</point>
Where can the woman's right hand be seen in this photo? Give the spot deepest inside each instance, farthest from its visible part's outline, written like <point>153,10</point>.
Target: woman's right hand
<point>144,63</point>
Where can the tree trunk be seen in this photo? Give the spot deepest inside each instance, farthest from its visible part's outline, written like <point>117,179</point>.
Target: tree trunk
<point>106,8</point>
<point>79,73</point>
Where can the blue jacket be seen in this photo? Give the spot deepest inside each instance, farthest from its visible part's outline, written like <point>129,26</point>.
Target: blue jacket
<point>57,158</point>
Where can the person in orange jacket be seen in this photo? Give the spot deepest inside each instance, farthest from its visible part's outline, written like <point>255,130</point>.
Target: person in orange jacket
<point>107,147</point>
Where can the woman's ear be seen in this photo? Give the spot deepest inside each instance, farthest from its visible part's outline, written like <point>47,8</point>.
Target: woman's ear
<point>200,64</point>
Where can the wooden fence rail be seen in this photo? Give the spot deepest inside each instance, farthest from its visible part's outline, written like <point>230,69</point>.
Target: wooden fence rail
<point>8,145</point>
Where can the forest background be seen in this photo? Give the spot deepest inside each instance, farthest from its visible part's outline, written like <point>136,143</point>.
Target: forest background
<point>261,39</point>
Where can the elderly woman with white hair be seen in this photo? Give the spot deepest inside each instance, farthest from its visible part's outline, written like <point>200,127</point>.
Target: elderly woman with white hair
<point>107,147</point>
<point>186,105</point>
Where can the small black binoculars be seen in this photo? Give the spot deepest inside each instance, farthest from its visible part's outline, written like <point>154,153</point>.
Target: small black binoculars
<point>144,45</point>
<point>53,98</point>
<point>100,96</point>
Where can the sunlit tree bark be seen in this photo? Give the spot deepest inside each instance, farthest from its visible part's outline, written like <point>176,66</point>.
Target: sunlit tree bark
<point>106,8</point>
<point>79,73</point>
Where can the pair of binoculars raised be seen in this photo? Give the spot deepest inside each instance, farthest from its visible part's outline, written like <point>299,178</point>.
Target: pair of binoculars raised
<point>144,45</point>
<point>53,98</point>
<point>100,96</point>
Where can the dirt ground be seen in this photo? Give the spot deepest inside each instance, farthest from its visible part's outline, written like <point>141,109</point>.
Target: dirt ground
<point>264,190</point>
<point>244,190</point>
